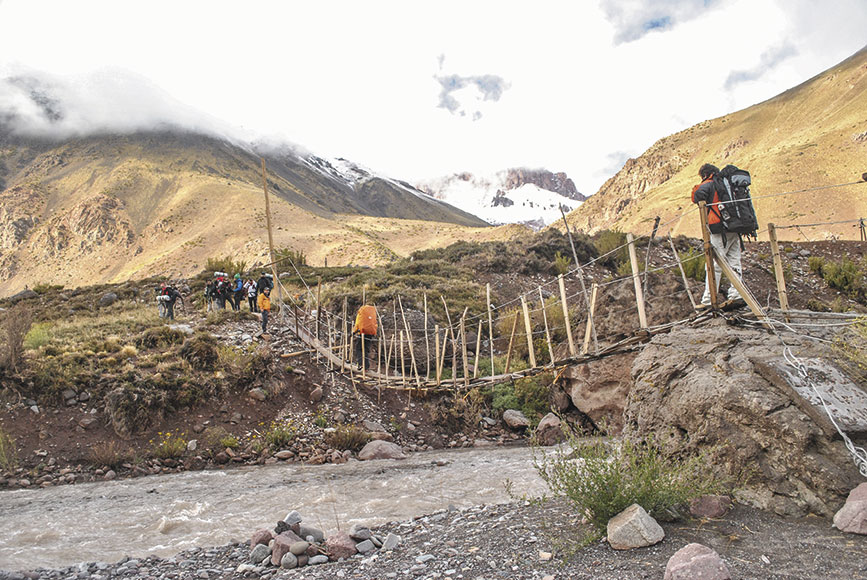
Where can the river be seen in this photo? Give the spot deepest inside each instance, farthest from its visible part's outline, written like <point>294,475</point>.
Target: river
<point>165,514</point>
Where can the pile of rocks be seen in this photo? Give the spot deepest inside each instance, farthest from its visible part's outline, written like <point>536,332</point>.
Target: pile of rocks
<point>293,545</point>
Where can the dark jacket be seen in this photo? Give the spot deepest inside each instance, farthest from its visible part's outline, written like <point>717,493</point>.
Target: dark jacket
<point>706,191</point>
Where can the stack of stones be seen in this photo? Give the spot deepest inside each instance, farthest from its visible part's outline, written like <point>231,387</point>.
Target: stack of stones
<point>293,545</point>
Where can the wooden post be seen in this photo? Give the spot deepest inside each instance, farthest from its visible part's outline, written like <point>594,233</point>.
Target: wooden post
<point>778,269</point>
<point>437,369</point>
<point>402,365</point>
<point>330,342</point>
<point>478,348</point>
<point>590,322</point>
<point>413,366</point>
<point>529,328</point>
<point>344,356</point>
<point>363,356</point>
<point>511,341</point>
<point>270,236</point>
<point>464,349</point>
<point>547,331</point>
<point>442,363</point>
<point>682,273</point>
<point>566,314</point>
<point>647,255</point>
<point>708,254</point>
<point>741,288</point>
<point>636,280</point>
<point>295,310</point>
<point>318,305</point>
<point>490,325</point>
<point>863,230</point>
<point>426,343</point>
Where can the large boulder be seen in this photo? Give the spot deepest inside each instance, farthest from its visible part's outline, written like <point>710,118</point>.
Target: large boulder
<point>633,528</point>
<point>549,431</point>
<point>852,517</point>
<point>381,450</point>
<point>515,419</point>
<point>696,561</point>
<point>700,389</point>
<point>599,389</point>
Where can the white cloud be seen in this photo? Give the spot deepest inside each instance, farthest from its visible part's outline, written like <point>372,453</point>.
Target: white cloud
<point>571,86</point>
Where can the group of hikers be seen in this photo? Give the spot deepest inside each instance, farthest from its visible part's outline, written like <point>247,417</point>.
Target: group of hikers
<point>223,290</point>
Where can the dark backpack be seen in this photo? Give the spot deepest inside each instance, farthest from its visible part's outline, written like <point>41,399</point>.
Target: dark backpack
<point>736,211</point>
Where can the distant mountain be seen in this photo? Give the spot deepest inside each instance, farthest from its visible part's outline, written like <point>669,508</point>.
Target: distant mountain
<point>109,207</point>
<point>525,196</point>
<point>810,136</point>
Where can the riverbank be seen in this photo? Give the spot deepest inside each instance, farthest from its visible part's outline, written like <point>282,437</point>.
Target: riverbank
<point>526,540</point>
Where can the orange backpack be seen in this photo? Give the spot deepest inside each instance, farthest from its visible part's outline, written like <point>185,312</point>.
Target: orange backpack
<point>365,321</point>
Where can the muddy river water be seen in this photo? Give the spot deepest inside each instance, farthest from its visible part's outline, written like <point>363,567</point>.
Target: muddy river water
<point>165,514</point>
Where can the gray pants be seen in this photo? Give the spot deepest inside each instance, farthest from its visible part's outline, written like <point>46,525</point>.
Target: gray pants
<point>730,250</point>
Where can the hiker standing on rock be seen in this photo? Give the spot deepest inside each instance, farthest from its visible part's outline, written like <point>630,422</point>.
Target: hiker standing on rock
<point>264,302</point>
<point>725,243</point>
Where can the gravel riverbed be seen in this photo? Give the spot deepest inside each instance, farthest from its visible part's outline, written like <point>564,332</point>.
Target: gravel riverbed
<point>525,541</point>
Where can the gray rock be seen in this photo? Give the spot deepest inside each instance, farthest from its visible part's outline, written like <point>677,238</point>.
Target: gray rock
<point>316,395</point>
<point>373,426</point>
<point>192,444</point>
<point>292,517</point>
<point>515,419</point>
<point>318,559</point>
<point>185,328</point>
<point>308,532</point>
<point>359,533</point>
<point>696,561</point>
<point>259,553</point>
<point>299,548</point>
<point>381,450</point>
<point>633,528</point>
<point>23,295</point>
<point>425,558</point>
<point>365,546</point>
<point>107,299</point>
<point>852,517</point>
<point>391,542</point>
<point>258,394</point>
<point>289,560</point>
<point>550,430</point>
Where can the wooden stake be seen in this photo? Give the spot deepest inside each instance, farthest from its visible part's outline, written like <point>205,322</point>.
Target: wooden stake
<point>547,331</point>
<point>490,325</point>
<point>414,367</point>
<point>318,305</point>
<point>682,272</point>
<point>363,356</point>
<point>647,255</point>
<point>437,369</point>
<point>636,280</point>
<point>402,365</point>
<point>426,343</point>
<point>511,341</point>
<point>778,269</point>
<point>708,254</point>
<point>572,351</point>
<point>529,328</point>
<point>478,348</point>
<point>590,322</point>
<point>741,288</point>
<point>344,355</point>
<point>464,349</point>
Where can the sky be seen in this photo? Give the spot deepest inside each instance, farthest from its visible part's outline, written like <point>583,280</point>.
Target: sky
<point>416,89</point>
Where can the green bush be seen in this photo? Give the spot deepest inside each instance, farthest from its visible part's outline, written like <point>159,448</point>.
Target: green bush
<point>37,336</point>
<point>609,241</point>
<point>816,264</point>
<point>169,445</point>
<point>347,437</point>
<point>226,264</point>
<point>562,263</point>
<point>280,434</point>
<point>693,262</point>
<point>528,395</point>
<point>8,453</point>
<point>844,276</point>
<point>603,478</point>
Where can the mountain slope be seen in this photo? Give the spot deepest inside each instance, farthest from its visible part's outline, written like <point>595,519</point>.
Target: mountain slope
<point>810,136</point>
<point>106,208</point>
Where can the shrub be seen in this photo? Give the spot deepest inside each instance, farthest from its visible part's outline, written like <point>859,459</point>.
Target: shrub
<point>608,243</point>
<point>109,454</point>
<point>280,434</point>
<point>229,442</point>
<point>602,479</point>
<point>159,337</point>
<point>693,262</point>
<point>169,445</point>
<point>13,330</point>
<point>37,336</point>
<point>8,453</point>
<point>226,264</point>
<point>561,263</point>
<point>816,263</point>
<point>347,437</point>
<point>844,276</point>
<point>528,395</point>
<point>200,351</point>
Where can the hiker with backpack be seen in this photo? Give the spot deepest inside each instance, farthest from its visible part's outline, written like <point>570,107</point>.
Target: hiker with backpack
<point>264,302</point>
<point>364,329</point>
<point>167,297</point>
<point>237,293</point>
<point>250,289</point>
<point>730,216</point>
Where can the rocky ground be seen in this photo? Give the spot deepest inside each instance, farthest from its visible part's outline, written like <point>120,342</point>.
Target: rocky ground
<point>525,540</point>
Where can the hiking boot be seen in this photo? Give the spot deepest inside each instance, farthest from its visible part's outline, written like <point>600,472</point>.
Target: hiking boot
<point>702,307</point>
<point>734,304</point>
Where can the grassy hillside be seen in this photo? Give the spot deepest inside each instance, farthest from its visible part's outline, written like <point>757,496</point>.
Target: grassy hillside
<point>810,136</point>
<point>110,208</point>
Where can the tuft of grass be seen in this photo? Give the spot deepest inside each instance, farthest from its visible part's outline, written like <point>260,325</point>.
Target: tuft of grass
<point>109,454</point>
<point>230,442</point>
<point>168,445</point>
<point>280,434</point>
<point>347,437</point>
<point>38,336</point>
<point>13,330</point>
<point>601,479</point>
<point>8,452</point>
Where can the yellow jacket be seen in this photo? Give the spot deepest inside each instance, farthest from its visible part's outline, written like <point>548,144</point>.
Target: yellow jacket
<point>264,302</point>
